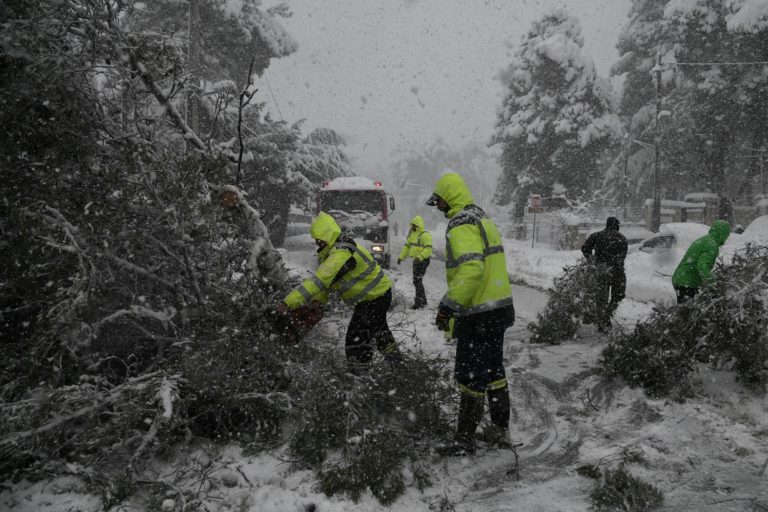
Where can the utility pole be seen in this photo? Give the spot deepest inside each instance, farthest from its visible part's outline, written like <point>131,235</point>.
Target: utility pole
<point>624,186</point>
<point>656,211</point>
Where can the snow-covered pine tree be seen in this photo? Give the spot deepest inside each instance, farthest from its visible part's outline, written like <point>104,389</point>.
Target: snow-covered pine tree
<point>557,118</point>
<point>720,60</point>
<point>627,180</point>
<point>642,38</point>
<point>288,168</point>
<point>217,40</point>
<point>712,93</point>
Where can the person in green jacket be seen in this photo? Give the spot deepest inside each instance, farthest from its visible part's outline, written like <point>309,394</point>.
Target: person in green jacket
<point>696,266</point>
<point>418,246</point>
<point>476,309</point>
<point>348,268</point>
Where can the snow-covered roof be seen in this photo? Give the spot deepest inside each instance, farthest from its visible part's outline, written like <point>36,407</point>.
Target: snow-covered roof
<point>351,183</point>
<point>700,196</point>
<point>669,203</point>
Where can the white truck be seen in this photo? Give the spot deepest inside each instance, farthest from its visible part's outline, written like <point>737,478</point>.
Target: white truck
<point>362,209</point>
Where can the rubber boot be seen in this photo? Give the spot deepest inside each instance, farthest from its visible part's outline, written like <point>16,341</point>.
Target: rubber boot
<point>497,434</point>
<point>470,414</point>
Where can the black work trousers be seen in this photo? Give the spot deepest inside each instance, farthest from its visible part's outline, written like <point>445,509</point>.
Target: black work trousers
<point>368,329</point>
<point>419,269</point>
<point>613,289</point>
<point>684,293</point>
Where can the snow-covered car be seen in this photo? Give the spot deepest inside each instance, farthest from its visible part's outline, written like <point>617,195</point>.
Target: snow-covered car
<point>675,235</point>
<point>757,231</point>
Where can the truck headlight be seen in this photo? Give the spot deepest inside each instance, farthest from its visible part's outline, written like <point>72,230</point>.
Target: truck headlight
<point>377,248</point>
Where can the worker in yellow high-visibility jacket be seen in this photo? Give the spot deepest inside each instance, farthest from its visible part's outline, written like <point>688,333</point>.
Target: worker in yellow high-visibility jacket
<point>478,309</point>
<point>348,268</point>
<point>418,246</point>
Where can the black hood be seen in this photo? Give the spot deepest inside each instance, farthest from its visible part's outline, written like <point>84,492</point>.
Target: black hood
<point>612,224</point>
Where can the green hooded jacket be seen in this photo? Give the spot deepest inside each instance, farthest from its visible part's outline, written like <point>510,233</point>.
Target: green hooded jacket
<point>696,266</point>
<point>418,245</point>
<point>476,268</point>
<point>363,282</point>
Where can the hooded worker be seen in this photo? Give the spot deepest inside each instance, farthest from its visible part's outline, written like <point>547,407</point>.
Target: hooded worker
<point>478,309</point>
<point>348,268</point>
<point>695,268</point>
<point>418,246</point>
<point>607,250</point>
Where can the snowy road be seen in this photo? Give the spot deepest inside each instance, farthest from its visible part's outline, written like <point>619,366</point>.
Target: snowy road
<point>704,454</point>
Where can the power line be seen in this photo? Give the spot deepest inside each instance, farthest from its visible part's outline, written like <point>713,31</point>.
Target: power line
<point>750,63</point>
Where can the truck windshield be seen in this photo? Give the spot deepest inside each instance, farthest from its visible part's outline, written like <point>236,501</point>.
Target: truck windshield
<point>352,201</point>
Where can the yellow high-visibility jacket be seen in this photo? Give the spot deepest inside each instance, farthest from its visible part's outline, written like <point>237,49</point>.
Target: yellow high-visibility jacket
<point>363,281</point>
<point>476,268</point>
<point>418,245</point>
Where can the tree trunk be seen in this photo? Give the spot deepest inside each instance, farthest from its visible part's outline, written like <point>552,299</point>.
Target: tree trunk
<point>194,67</point>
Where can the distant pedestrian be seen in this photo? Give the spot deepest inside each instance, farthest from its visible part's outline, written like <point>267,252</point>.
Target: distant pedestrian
<point>695,268</point>
<point>418,246</point>
<point>607,249</point>
<point>395,228</point>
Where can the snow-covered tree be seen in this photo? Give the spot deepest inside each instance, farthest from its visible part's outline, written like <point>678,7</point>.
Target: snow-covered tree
<point>640,43</point>
<point>712,91</point>
<point>216,39</point>
<point>725,85</point>
<point>557,118</point>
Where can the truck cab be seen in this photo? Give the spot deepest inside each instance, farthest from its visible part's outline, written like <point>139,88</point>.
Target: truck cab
<point>362,209</point>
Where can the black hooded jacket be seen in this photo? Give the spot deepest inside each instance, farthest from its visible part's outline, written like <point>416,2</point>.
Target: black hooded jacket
<point>609,246</point>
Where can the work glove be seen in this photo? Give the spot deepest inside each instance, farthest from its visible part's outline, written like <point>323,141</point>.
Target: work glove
<point>399,261</point>
<point>282,308</point>
<point>442,320</point>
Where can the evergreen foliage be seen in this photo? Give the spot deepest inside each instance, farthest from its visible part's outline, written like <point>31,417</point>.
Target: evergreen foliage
<point>713,84</point>
<point>724,324</point>
<point>137,278</point>
<point>364,431</point>
<point>573,299</point>
<point>621,491</point>
<point>557,118</point>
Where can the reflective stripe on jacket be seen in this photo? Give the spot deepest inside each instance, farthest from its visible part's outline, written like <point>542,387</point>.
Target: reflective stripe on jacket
<point>363,282</point>
<point>418,245</point>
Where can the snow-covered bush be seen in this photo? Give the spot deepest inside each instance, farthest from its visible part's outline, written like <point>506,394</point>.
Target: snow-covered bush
<point>725,324</point>
<point>362,431</point>
<point>573,299</point>
<point>620,491</point>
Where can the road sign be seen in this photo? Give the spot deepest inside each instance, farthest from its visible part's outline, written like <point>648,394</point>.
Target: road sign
<point>531,209</point>
<point>535,201</point>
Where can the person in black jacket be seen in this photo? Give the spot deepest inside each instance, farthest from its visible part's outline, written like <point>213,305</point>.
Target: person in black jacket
<point>608,249</point>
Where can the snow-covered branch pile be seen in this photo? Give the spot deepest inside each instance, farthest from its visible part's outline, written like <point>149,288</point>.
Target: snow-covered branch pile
<point>726,324</point>
<point>574,299</point>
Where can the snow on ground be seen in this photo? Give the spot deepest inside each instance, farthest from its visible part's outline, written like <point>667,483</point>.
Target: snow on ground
<point>648,275</point>
<point>705,454</point>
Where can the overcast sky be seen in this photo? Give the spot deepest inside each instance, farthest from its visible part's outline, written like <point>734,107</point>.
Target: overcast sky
<point>393,73</point>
